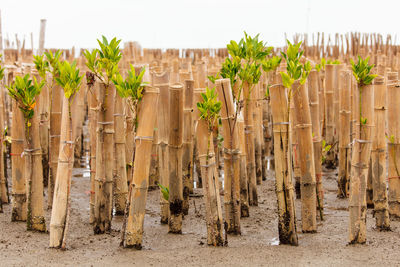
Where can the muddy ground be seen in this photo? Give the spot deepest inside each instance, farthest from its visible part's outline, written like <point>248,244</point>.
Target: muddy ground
<point>257,246</point>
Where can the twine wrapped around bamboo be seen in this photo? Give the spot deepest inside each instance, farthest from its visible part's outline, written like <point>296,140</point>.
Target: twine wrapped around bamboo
<point>231,156</point>
<point>378,157</point>
<point>175,143</point>
<point>133,232</point>
<point>283,166</point>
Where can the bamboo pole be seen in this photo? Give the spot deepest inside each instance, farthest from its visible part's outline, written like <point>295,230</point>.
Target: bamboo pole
<point>161,81</point>
<point>329,114</point>
<point>62,194</point>
<point>4,196</point>
<point>44,114</point>
<point>244,183</point>
<point>231,156</point>
<point>306,158</point>
<point>250,153</point>
<point>187,154</point>
<point>104,159</point>
<point>283,166</point>
<point>378,157</point>
<point>344,134</point>
<point>313,89</point>
<point>92,116</point>
<point>130,142</point>
<point>175,158</point>
<point>257,117</point>
<point>393,97</point>
<point>121,182</point>
<point>136,206</point>
<point>295,148</point>
<point>42,36</point>
<point>54,146</point>
<point>359,164</point>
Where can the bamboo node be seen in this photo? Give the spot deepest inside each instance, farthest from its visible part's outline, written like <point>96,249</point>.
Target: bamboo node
<point>303,125</point>
<point>281,123</point>
<point>56,135</point>
<point>118,114</point>
<point>17,140</point>
<point>105,122</point>
<point>362,141</point>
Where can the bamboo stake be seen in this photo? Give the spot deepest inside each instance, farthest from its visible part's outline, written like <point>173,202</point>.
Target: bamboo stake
<point>257,131</point>
<point>42,36</point>
<point>4,196</point>
<point>283,166</point>
<point>136,206</point>
<point>175,158</point>
<point>244,183</point>
<point>130,142</point>
<point>231,157</point>
<point>329,113</point>
<point>378,157</point>
<point>44,132</point>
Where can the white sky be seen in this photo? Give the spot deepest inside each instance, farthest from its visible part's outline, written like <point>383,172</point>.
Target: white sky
<point>191,23</point>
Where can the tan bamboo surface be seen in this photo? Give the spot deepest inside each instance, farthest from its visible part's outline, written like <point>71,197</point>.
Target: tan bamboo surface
<point>130,141</point>
<point>257,117</point>
<point>44,113</point>
<point>231,149</point>
<point>306,157</point>
<point>4,196</point>
<point>313,89</point>
<point>244,183</point>
<point>79,105</point>
<point>62,195</point>
<point>187,154</point>
<point>378,156</point>
<point>120,180</point>
<point>295,150</point>
<point>104,159</point>
<point>393,133</point>
<point>321,100</point>
<point>336,95</point>
<point>344,134</point>
<point>54,139</point>
<point>92,117</point>
<point>250,153</point>
<point>360,158</point>
<point>329,114</point>
<point>283,170</point>
<point>133,233</point>
<point>175,143</point>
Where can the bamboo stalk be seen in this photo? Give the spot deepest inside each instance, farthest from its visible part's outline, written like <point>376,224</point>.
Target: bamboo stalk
<point>133,233</point>
<point>121,182</point>
<point>61,202</point>
<point>187,154</point>
<point>4,195</point>
<point>231,156</point>
<point>175,158</point>
<point>104,159</point>
<point>378,157</point>
<point>130,142</point>
<point>283,170</point>
<point>92,114</point>
<point>359,164</point>
<point>44,132</point>
<point>257,117</point>
<point>329,114</point>
<point>344,135</point>
<point>244,183</point>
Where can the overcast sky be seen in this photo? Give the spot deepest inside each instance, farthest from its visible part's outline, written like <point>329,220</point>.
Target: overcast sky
<point>191,23</point>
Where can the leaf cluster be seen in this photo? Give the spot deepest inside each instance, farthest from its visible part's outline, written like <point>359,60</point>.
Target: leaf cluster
<point>361,71</point>
<point>164,191</point>
<point>103,62</point>
<point>1,68</point>
<point>69,78</point>
<point>24,91</point>
<point>41,65</point>
<point>132,87</point>
<point>53,62</point>
<point>271,64</point>
<point>294,69</point>
<point>209,108</point>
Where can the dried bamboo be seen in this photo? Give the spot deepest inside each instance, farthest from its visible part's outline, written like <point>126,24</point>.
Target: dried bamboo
<point>187,154</point>
<point>283,166</point>
<point>61,203</point>
<point>133,233</point>
<point>329,114</point>
<point>231,156</point>
<point>104,159</point>
<point>130,142</point>
<point>244,184</point>
<point>121,182</point>
<point>4,196</point>
<point>344,135</point>
<point>378,157</point>
<point>44,114</point>
<point>175,158</point>
<point>257,117</point>
<point>360,158</point>
<point>92,114</point>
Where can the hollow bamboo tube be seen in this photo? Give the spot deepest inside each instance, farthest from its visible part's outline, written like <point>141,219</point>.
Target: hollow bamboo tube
<point>133,233</point>
<point>344,134</point>
<point>79,105</point>
<point>54,137</point>
<point>306,157</point>
<point>250,153</point>
<point>330,114</point>
<point>360,158</point>
<point>336,95</point>
<point>231,156</point>
<point>34,174</point>
<point>378,157</point>
<point>44,114</point>
<point>212,200</point>
<point>321,100</point>
<point>129,139</point>
<point>104,159</point>
<point>295,152</point>
<point>187,154</point>
<point>120,180</point>
<point>196,161</point>
<point>313,89</point>
<point>393,97</point>
<point>62,194</point>
<point>283,166</point>
<point>19,209</point>
<point>175,143</point>
<point>244,184</point>
<point>92,116</point>
<point>4,196</point>
<point>257,131</point>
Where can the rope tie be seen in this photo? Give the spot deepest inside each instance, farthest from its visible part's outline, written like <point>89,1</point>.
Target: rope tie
<point>229,117</point>
<point>174,146</point>
<point>281,123</point>
<point>303,125</point>
<point>55,135</point>
<point>17,140</point>
<point>118,114</point>
<point>105,122</point>
<point>144,138</point>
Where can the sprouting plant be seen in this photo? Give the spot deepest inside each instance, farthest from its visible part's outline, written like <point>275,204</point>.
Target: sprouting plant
<point>69,79</point>
<point>334,62</point>
<point>213,78</point>
<point>164,191</point>
<point>271,64</point>
<point>131,88</point>
<point>41,65</point>
<point>103,62</point>
<point>230,69</point>
<point>24,91</point>
<point>1,68</point>
<point>209,108</point>
<point>325,149</point>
